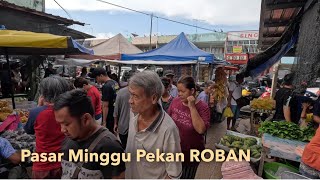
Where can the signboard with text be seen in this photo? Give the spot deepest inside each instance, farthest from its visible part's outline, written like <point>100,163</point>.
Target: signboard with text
<point>237,58</point>
<point>237,49</point>
<point>243,35</point>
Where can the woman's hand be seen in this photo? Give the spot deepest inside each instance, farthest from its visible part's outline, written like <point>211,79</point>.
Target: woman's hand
<point>191,101</point>
<point>305,105</point>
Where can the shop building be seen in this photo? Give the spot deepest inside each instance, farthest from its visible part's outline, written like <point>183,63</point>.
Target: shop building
<point>240,46</point>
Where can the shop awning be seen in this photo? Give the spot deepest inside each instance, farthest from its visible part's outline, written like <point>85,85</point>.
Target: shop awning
<point>31,43</point>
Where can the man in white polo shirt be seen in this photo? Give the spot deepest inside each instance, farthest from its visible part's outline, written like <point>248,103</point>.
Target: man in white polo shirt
<point>150,130</point>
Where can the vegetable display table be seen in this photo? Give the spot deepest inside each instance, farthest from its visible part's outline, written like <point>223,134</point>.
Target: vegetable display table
<point>281,148</point>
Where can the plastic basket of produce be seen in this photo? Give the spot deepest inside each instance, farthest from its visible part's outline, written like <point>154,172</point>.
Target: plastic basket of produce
<point>273,170</point>
<point>238,141</point>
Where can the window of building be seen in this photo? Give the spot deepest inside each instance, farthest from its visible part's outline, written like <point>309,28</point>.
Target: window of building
<point>229,49</point>
<point>246,42</point>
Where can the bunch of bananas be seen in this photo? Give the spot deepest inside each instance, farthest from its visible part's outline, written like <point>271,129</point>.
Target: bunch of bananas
<point>3,104</point>
<point>219,89</point>
<point>265,104</point>
<point>6,110</point>
<point>24,115</point>
<point>3,116</point>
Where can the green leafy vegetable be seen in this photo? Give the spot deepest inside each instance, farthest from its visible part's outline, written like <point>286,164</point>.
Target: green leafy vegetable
<point>287,130</point>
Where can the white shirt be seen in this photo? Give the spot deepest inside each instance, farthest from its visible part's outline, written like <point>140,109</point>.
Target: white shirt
<point>236,88</point>
<point>173,91</point>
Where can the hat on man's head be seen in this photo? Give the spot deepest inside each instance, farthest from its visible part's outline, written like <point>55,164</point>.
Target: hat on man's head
<point>168,73</point>
<point>97,72</point>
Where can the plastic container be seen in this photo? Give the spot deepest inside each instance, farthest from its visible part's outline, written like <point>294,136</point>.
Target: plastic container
<point>270,169</point>
<point>227,149</point>
<point>291,175</point>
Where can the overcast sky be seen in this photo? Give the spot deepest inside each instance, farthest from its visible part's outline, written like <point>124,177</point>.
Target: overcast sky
<point>107,20</point>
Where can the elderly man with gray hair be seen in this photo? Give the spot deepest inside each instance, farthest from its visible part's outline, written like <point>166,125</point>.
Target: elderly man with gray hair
<point>42,123</point>
<point>150,130</point>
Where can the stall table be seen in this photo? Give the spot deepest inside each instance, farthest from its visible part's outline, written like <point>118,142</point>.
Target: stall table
<point>281,148</point>
<point>253,120</point>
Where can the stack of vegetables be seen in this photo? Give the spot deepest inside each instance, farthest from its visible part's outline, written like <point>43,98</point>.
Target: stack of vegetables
<point>263,104</point>
<point>287,130</point>
<point>5,110</point>
<point>236,143</point>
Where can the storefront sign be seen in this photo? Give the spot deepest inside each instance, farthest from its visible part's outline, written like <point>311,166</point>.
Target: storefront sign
<point>237,49</point>
<point>243,35</point>
<point>237,58</point>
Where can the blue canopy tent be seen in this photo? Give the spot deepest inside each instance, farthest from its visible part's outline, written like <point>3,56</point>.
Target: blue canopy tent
<point>179,49</point>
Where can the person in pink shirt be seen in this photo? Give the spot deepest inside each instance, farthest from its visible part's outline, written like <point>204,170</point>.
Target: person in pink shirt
<point>192,118</point>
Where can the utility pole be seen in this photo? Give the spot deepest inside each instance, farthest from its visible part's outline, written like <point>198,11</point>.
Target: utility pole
<point>150,46</point>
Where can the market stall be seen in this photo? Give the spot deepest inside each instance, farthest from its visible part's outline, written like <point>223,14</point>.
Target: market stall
<point>11,123</point>
<point>177,52</point>
<point>29,43</point>
<point>284,140</point>
<point>260,108</point>
<point>281,148</point>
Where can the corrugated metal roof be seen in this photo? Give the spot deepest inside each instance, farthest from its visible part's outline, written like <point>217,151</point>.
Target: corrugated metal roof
<point>275,17</point>
<point>61,20</point>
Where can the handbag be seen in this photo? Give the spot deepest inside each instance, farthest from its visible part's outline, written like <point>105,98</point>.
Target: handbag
<point>242,101</point>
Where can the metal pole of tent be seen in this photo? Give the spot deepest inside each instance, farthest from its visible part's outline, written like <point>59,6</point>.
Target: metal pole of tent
<point>119,72</point>
<point>150,46</point>
<point>198,70</point>
<point>10,80</point>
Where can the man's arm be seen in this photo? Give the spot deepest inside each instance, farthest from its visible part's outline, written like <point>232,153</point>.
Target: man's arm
<point>15,158</point>
<point>8,152</point>
<point>286,109</point>
<point>105,110</point>
<point>116,113</point>
<point>287,113</point>
<point>230,90</point>
<point>106,99</point>
<point>29,126</point>
<point>316,119</point>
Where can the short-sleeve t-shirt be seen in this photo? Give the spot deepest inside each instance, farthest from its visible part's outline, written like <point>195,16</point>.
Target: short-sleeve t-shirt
<point>6,150</point>
<point>42,123</point>
<point>95,95</point>
<point>237,92</point>
<point>281,98</point>
<point>181,115</point>
<point>311,153</point>
<point>92,170</point>
<point>122,110</point>
<point>109,93</point>
<point>203,97</point>
<point>166,105</point>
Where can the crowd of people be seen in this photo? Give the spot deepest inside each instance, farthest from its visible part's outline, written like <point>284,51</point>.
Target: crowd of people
<point>150,113</point>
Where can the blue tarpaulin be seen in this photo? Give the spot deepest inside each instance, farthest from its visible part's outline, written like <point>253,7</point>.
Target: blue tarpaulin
<point>270,62</point>
<point>179,49</point>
